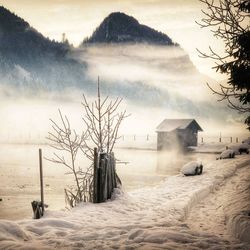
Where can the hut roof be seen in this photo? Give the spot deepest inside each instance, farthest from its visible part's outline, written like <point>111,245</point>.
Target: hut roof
<point>169,125</point>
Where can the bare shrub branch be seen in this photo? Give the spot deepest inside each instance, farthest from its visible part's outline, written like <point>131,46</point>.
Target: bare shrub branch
<point>102,122</point>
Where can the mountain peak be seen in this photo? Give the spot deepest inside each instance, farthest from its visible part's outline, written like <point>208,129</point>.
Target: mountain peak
<point>11,22</point>
<point>27,57</point>
<point>119,27</point>
<point>120,17</point>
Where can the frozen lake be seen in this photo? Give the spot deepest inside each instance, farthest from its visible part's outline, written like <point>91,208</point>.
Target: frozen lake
<point>19,170</point>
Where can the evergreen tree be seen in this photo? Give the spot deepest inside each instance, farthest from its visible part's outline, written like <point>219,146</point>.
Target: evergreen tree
<point>229,20</point>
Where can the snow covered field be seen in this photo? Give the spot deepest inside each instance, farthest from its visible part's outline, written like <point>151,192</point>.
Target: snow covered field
<point>165,216</point>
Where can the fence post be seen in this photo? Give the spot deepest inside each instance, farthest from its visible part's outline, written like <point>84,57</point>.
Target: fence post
<point>95,188</point>
<point>237,139</point>
<point>41,179</point>
<point>147,137</point>
<point>101,178</point>
<point>114,170</point>
<point>105,180</point>
<point>201,139</point>
<point>134,137</point>
<point>231,139</point>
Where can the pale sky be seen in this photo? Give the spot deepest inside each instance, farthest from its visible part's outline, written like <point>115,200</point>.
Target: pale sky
<point>79,18</point>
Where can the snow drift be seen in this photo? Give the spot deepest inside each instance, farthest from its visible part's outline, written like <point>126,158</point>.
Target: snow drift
<point>148,218</point>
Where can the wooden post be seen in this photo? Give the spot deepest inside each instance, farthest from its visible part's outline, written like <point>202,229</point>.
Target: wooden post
<point>95,188</point>
<point>237,140</point>
<point>41,179</point>
<point>231,139</point>
<point>114,170</point>
<point>101,178</point>
<point>201,139</point>
<point>105,177</point>
<point>134,137</point>
<point>147,137</point>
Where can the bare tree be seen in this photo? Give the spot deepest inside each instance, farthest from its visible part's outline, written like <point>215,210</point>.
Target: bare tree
<point>102,122</point>
<point>229,21</point>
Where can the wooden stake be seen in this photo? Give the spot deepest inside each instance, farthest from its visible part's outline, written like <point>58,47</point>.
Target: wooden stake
<point>41,179</point>
<point>95,188</point>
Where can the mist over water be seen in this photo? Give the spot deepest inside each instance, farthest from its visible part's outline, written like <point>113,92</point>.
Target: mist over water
<point>155,82</point>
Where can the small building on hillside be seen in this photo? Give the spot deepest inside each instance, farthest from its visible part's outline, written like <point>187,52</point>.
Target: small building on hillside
<point>174,133</point>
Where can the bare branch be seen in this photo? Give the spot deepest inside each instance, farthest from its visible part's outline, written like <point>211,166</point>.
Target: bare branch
<point>229,22</point>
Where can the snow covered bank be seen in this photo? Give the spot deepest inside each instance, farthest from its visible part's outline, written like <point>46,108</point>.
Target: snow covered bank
<point>239,225</point>
<point>148,218</point>
<point>238,211</point>
<point>227,208</point>
<point>218,147</point>
<point>212,147</point>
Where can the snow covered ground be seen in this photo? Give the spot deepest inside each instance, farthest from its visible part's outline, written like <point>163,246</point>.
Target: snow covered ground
<point>19,173</point>
<point>165,216</point>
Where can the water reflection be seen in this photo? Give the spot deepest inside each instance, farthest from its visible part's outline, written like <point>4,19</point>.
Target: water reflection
<point>170,162</point>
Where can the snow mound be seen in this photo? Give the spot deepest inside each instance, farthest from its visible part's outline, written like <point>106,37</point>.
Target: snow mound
<point>240,225</point>
<point>192,168</point>
<point>227,154</point>
<point>239,148</point>
<point>12,231</point>
<point>247,141</point>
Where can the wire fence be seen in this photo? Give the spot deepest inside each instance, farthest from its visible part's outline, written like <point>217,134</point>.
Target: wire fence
<point>201,139</point>
<point>40,138</point>
<point>224,139</point>
<point>135,137</point>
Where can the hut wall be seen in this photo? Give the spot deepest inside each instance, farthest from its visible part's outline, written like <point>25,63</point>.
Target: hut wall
<point>172,140</point>
<point>187,137</point>
<point>167,140</point>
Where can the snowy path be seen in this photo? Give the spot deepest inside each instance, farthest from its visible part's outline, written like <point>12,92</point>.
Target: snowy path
<point>224,207</point>
<point>149,218</point>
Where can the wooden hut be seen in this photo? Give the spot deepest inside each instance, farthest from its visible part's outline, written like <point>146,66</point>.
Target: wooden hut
<point>172,133</point>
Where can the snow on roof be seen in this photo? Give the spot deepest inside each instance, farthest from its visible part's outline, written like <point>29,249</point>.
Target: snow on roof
<point>168,125</point>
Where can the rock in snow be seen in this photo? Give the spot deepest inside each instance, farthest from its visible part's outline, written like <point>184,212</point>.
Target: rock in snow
<point>192,168</point>
<point>148,218</point>
<point>227,154</point>
<point>247,141</point>
<point>239,148</point>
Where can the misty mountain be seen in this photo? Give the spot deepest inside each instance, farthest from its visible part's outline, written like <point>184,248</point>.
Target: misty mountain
<point>121,28</point>
<point>148,64</point>
<point>28,58</point>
